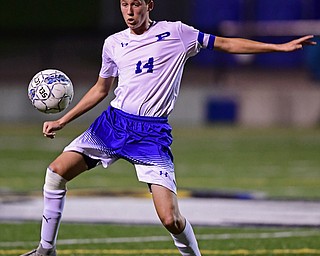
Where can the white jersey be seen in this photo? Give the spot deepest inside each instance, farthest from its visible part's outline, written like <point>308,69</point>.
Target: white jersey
<point>149,67</point>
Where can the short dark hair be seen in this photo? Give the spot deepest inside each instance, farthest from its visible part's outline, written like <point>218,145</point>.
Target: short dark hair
<point>147,1</point>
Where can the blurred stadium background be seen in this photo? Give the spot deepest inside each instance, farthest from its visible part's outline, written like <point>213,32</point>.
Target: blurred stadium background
<point>264,90</point>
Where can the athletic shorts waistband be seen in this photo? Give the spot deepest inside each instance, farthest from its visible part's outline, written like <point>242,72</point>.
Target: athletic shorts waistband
<point>153,119</point>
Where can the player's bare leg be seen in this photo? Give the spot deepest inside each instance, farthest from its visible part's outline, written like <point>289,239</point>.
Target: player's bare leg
<point>69,165</point>
<point>63,169</point>
<point>166,205</point>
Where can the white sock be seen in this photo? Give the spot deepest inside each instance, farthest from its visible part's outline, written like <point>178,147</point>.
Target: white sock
<point>186,242</point>
<point>52,212</point>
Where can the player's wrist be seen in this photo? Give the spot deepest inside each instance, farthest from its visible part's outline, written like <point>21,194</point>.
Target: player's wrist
<point>62,122</point>
<point>280,48</point>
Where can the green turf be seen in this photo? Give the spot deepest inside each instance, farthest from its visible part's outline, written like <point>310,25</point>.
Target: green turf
<point>277,162</point>
<point>273,162</point>
<point>212,241</point>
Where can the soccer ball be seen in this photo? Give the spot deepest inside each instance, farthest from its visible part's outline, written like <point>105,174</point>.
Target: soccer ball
<point>50,91</point>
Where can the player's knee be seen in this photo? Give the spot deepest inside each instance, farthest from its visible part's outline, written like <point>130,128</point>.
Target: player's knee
<point>56,166</point>
<point>169,222</point>
<point>173,223</point>
<point>54,181</point>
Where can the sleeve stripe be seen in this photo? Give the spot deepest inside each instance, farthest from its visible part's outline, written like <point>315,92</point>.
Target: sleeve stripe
<point>206,40</point>
<point>200,38</point>
<point>211,42</point>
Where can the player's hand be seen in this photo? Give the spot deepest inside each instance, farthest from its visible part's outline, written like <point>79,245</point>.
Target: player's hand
<point>297,44</point>
<point>50,127</point>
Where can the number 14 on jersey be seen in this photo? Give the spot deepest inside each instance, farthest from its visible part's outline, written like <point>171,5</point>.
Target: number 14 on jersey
<point>148,66</point>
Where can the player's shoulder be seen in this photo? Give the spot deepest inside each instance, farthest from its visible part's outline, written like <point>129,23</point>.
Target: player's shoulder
<point>118,36</point>
<point>179,26</point>
<point>175,27</point>
<point>169,24</point>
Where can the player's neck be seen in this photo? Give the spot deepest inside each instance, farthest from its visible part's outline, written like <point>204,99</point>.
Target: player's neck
<point>142,29</point>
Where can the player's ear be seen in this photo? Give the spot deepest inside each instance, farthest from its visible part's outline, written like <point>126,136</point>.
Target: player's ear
<point>150,5</point>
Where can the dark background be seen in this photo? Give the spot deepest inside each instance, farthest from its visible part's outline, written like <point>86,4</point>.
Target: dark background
<point>69,34</point>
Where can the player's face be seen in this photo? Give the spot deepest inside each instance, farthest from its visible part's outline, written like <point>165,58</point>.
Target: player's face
<point>136,14</point>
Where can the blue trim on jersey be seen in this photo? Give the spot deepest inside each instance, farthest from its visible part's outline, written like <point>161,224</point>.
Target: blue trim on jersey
<point>200,38</point>
<point>211,42</point>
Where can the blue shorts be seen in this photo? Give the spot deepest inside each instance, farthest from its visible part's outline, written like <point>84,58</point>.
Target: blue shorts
<point>143,141</point>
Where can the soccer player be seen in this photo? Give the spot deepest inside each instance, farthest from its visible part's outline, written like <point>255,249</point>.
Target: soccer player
<point>148,58</point>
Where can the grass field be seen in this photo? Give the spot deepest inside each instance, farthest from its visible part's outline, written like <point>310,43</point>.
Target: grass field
<point>278,163</point>
<point>75,239</point>
<point>272,162</point>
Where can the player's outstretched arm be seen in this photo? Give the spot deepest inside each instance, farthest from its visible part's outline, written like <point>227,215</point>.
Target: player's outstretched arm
<point>241,45</point>
<point>95,95</point>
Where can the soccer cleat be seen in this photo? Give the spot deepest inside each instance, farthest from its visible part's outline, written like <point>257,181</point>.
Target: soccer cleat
<point>41,252</point>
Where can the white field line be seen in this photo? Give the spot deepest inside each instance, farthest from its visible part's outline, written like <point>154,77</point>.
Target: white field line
<point>267,235</point>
